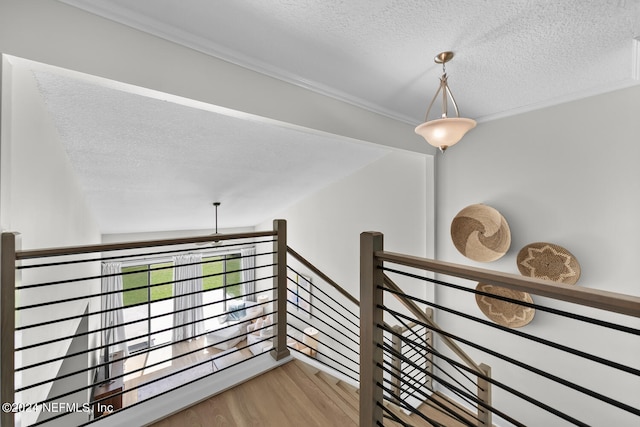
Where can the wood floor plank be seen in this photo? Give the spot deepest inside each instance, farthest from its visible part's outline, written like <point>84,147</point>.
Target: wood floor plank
<point>293,395</point>
<point>284,397</point>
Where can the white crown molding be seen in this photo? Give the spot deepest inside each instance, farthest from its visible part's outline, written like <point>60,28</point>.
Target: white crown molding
<point>153,27</point>
<point>140,22</point>
<point>576,96</point>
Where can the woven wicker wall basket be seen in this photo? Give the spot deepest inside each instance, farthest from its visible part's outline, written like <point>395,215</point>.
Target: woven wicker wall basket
<point>480,233</point>
<point>548,261</point>
<point>505,313</point>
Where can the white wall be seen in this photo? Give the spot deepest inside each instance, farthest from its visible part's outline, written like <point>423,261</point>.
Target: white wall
<point>567,175</point>
<point>392,195</point>
<point>42,201</point>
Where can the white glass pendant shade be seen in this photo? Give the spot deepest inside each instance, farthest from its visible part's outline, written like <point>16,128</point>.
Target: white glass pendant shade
<point>446,131</point>
<point>443,133</point>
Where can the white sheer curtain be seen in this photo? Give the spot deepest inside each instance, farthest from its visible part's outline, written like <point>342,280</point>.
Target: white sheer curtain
<point>187,309</point>
<point>248,273</point>
<point>112,316</point>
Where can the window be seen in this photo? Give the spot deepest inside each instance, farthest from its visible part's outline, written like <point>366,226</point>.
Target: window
<point>222,272</point>
<point>221,280</point>
<point>136,280</point>
<point>149,306</point>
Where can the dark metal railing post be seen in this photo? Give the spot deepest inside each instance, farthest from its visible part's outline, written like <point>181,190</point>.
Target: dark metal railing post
<point>10,243</point>
<point>484,396</point>
<point>280,349</point>
<point>371,316</point>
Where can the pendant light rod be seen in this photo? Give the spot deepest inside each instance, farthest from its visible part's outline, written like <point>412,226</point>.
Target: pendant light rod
<point>215,205</point>
<point>443,58</point>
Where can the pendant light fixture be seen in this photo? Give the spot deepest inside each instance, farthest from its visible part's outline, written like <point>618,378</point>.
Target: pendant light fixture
<point>215,242</point>
<point>445,131</point>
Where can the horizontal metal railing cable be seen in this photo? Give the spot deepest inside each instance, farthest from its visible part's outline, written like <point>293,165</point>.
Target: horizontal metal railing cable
<point>120,342</point>
<point>563,313</point>
<point>152,317</point>
<point>530,337</point>
<point>324,309</point>
<point>324,312</point>
<point>507,388</point>
<point>335,301</point>
<point>333,339</point>
<point>423,346</point>
<point>67,257</point>
<point>596,298</point>
<point>183,384</point>
<point>148,350</point>
<point>137,256</point>
<point>427,400</point>
<point>327,356</point>
<point>89,296</point>
<point>515,392</point>
<point>133,388</point>
<point>149,286</point>
<point>340,331</point>
<point>458,390</point>
<point>323,276</point>
<point>388,414</point>
<point>433,376</point>
<point>530,368</point>
<point>146,366</point>
<point>471,396</point>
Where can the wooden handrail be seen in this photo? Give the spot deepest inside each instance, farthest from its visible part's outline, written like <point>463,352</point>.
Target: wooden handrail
<point>596,298</point>
<point>73,250</point>
<point>323,276</point>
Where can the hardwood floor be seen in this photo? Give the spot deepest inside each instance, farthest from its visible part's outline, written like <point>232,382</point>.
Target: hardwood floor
<point>149,366</point>
<point>287,396</point>
<point>292,395</point>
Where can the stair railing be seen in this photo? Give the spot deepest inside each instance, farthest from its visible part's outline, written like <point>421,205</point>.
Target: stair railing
<point>477,405</point>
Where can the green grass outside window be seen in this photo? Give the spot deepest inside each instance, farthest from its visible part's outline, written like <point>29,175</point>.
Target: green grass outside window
<point>163,273</point>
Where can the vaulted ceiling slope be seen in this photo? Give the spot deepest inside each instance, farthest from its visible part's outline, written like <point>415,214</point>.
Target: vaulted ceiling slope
<point>149,162</point>
<point>511,56</point>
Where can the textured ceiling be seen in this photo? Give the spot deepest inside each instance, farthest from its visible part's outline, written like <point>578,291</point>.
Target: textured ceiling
<point>147,164</point>
<point>510,55</point>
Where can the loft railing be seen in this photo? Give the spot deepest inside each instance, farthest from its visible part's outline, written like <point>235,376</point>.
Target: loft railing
<point>414,364</point>
<point>52,316</point>
<point>59,323</point>
<point>534,379</point>
<point>323,318</point>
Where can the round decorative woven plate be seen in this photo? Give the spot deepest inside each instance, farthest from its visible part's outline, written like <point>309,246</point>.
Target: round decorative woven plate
<point>548,261</point>
<point>505,313</point>
<point>480,233</point>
